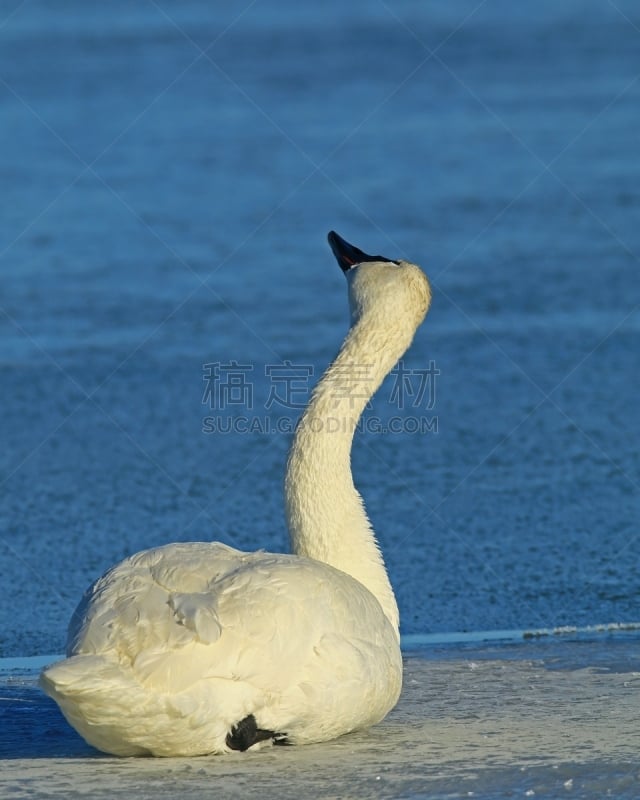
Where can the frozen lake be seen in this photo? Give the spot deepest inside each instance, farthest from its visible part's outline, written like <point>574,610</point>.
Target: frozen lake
<point>169,174</point>
<point>548,718</point>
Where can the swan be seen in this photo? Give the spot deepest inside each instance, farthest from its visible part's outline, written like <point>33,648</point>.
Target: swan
<point>198,648</point>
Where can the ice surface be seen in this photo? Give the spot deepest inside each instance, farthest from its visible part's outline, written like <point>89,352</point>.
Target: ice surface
<point>484,721</point>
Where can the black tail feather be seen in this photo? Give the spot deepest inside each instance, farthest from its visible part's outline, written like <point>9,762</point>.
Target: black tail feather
<point>246,733</point>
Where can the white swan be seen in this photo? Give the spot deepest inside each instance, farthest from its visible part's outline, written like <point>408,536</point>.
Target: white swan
<point>199,648</point>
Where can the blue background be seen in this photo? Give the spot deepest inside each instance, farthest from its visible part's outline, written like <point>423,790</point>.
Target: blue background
<point>169,172</point>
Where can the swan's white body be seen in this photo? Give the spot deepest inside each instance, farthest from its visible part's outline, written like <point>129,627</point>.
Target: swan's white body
<point>171,651</point>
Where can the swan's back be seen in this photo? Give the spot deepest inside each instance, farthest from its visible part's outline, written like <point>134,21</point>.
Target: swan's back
<point>175,646</point>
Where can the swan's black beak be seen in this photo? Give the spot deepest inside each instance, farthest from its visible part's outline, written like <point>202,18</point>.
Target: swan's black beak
<point>348,255</point>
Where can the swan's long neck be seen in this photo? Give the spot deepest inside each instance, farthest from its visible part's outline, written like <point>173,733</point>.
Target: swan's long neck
<point>325,513</point>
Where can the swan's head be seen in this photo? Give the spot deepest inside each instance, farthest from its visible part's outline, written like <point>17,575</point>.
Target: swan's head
<point>395,292</point>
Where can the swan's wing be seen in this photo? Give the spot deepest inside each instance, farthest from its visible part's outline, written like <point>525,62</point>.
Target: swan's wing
<point>185,613</point>
<point>256,625</point>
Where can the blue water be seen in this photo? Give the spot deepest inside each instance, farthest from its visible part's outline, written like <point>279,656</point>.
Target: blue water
<point>169,172</point>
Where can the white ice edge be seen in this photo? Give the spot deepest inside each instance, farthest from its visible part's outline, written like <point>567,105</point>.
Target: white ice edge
<point>412,641</point>
<point>28,663</point>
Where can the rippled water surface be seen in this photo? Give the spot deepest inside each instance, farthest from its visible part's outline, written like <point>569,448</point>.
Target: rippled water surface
<point>169,172</point>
